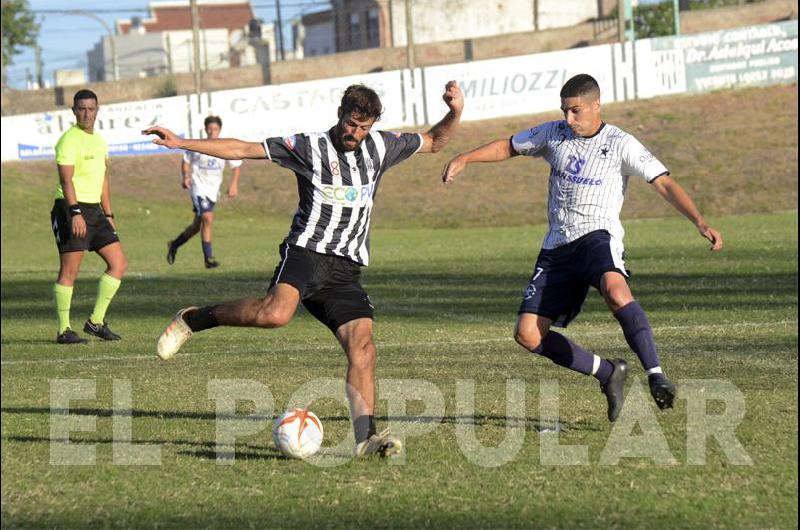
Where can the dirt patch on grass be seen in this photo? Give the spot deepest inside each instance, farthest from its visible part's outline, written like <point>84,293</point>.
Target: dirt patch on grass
<point>734,151</point>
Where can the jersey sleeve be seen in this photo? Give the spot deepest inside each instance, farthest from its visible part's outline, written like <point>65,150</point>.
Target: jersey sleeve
<point>400,146</point>
<point>234,163</point>
<point>187,157</point>
<point>66,151</point>
<point>638,161</point>
<point>531,142</point>
<point>292,152</point>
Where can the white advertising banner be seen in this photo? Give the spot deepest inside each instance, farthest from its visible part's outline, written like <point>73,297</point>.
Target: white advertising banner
<point>734,58</point>
<point>31,136</point>
<point>254,114</point>
<point>518,85</point>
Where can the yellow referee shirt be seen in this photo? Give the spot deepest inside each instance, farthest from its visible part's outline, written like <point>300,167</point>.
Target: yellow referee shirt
<point>88,153</point>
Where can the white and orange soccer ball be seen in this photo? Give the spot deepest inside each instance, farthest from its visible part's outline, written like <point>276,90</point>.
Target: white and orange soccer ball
<point>298,433</point>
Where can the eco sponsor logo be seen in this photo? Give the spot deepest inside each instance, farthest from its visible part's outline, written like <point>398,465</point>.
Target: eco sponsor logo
<point>351,196</point>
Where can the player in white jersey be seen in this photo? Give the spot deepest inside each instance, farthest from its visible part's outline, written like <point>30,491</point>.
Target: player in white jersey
<point>337,172</point>
<point>202,175</point>
<point>590,163</point>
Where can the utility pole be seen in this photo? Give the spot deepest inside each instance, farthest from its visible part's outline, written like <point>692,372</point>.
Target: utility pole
<point>196,50</point>
<point>39,66</point>
<point>409,37</point>
<point>169,54</point>
<point>621,20</point>
<point>280,31</point>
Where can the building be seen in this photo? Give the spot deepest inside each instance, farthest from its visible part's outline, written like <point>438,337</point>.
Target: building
<point>314,34</point>
<point>360,24</point>
<point>230,36</point>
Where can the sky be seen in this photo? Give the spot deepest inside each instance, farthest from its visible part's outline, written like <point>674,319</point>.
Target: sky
<point>65,39</point>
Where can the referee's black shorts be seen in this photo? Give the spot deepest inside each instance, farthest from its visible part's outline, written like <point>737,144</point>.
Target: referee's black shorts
<point>99,231</point>
<point>329,285</point>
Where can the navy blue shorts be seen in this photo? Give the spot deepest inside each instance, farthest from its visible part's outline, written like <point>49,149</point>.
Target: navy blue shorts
<point>562,276</point>
<point>201,205</point>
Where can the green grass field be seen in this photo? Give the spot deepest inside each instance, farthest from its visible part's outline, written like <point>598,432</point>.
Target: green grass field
<point>446,302</point>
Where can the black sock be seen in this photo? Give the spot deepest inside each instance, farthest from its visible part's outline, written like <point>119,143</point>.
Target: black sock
<point>364,427</point>
<point>201,319</point>
<point>180,240</point>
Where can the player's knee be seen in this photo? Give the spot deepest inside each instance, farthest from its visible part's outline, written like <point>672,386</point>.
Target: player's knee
<point>528,337</point>
<point>270,316</point>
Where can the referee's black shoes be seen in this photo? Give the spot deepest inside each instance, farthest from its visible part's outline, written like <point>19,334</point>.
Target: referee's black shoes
<point>614,389</point>
<point>211,263</point>
<point>100,331</point>
<point>70,337</point>
<point>663,391</point>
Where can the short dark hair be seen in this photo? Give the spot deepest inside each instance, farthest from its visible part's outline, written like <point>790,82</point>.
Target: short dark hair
<point>83,94</point>
<point>579,86</point>
<point>212,119</point>
<point>361,100</point>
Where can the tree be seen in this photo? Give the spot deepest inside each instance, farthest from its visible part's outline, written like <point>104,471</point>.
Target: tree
<point>19,29</point>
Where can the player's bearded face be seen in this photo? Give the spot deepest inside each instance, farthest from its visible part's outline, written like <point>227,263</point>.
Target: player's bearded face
<point>582,114</point>
<point>352,129</point>
<point>85,111</point>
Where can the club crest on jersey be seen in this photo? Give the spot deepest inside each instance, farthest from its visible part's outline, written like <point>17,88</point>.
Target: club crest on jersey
<point>604,150</point>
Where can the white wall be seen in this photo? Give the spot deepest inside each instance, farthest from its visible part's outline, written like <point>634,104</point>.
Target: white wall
<point>443,20</point>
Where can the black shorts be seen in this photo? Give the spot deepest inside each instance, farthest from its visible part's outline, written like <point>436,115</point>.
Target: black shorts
<point>99,231</point>
<point>329,285</point>
<point>562,276</point>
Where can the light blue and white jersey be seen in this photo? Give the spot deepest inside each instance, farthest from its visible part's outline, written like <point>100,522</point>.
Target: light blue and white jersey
<point>588,176</point>
<point>207,173</point>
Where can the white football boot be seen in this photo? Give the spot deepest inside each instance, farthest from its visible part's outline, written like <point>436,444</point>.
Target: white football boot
<point>382,444</point>
<point>174,336</point>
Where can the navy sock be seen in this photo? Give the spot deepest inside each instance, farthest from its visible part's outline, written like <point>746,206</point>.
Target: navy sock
<point>201,319</point>
<point>207,249</point>
<point>180,240</point>
<point>566,353</point>
<point>639,336</point>
<point>364,427</point>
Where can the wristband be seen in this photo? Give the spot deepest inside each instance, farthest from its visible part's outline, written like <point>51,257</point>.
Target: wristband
<point>110,215</point>
<point>74,210</point>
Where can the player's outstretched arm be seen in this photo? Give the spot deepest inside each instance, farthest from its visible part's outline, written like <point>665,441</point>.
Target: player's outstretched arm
<point>437,137</point>
<point>674,194</point>
<point>492,152</point>
<point>227,148</point>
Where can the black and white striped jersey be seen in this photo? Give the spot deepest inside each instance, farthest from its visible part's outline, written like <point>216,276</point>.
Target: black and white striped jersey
<point>588,176</point>
<point>337,188</point>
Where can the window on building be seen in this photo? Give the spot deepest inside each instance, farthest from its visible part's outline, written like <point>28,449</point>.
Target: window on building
<point>373,28</point>
<point>353,35</point>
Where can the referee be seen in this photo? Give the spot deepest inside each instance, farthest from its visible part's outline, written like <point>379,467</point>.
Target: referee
<point>590,164</point>
<point>338,172</point>
<point>82,219</point>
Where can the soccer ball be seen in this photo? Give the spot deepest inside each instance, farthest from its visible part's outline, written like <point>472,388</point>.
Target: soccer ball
<point>298,433</point>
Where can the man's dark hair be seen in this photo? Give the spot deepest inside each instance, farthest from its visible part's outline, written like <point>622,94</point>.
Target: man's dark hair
<point>213,119</point>
<point>579,86</point>
<point>83,94</point>
<point>361,100</point>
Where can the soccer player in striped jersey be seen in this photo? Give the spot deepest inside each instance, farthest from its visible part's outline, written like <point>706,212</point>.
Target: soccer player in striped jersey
<point>590,164</point>
<point>338,172</point>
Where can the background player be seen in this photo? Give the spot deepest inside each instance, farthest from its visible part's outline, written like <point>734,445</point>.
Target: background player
<point>590,164</point>
<point>202,175</point>
<point>82,219</point>
<point>338,172</point>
